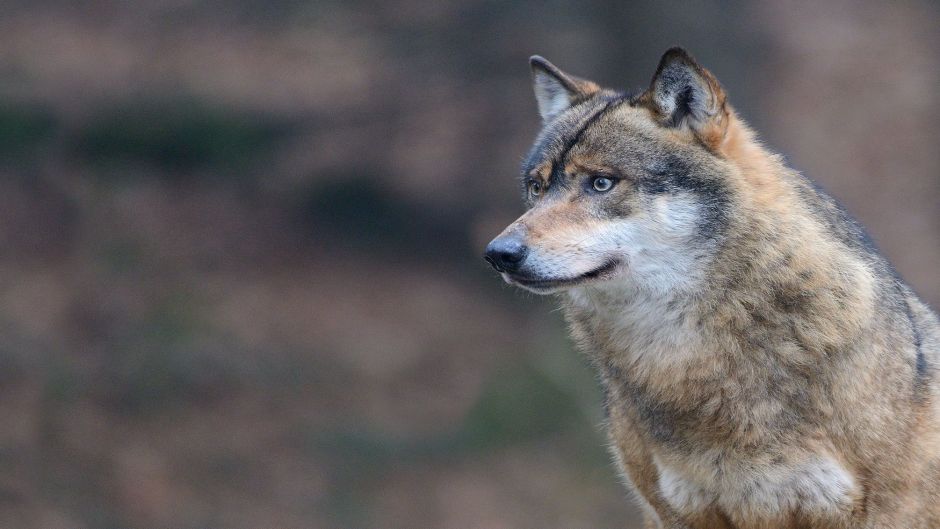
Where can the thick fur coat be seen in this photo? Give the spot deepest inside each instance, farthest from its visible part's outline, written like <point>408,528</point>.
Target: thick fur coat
<point>764,366</point>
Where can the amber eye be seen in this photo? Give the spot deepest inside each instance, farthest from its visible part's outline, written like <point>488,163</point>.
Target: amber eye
<point>602,184</point>
<point>535,188</point>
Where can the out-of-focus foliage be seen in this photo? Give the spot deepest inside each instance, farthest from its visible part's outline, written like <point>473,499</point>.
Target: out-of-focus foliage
<point>240,282</point>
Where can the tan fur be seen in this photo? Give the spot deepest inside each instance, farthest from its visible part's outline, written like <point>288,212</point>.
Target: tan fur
<point>767,380</point>
<point>871,438</point>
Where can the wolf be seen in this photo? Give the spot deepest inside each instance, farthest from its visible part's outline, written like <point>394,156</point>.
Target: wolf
<point>763,365</point>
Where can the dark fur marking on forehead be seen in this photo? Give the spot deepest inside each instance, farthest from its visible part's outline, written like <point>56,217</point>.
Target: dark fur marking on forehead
<point>551,135</point>
<point>603,111</point>
<point>570,137</point>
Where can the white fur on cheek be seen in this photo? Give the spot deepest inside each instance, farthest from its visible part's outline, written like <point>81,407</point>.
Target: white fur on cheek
<point>662,249</point>
<point>659,245</point>
<point>656,245</point>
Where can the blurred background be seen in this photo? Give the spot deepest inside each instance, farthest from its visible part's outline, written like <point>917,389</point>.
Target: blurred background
<point>240,273</point>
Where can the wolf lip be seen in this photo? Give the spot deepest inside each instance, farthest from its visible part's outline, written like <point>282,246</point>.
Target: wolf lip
<point>609,266</point>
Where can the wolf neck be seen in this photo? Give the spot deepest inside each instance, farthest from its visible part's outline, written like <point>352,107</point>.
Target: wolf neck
<point>767,295</point>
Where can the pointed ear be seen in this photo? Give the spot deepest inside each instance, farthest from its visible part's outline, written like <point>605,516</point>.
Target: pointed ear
<point>683,94</point>
<point>556,91</point>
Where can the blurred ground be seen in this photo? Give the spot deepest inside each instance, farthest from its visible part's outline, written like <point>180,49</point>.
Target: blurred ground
<point>240,282</point>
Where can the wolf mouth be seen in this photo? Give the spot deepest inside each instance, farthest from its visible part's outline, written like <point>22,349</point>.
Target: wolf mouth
<point>547,284</point>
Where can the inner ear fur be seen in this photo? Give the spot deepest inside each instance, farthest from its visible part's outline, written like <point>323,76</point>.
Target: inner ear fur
<point>555,90</point>
<point>683,94</point>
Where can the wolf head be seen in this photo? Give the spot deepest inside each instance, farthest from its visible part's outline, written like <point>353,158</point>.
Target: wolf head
<point>621,188</point>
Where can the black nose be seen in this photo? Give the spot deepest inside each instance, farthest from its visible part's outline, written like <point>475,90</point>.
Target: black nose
<point>506,253</point>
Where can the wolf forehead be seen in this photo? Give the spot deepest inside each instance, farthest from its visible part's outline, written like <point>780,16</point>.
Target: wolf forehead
<point>559,136</point>
<point>614,131</point>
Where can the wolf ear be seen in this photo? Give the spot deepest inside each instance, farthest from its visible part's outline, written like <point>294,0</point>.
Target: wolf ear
<point>683,94</point>
<point>556,91</point>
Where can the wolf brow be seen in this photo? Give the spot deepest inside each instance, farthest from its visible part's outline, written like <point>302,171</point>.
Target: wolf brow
<point>610,105</point>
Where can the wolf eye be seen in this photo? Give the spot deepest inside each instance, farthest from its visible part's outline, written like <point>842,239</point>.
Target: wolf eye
<point>602,184</point>
<point>535,188</point>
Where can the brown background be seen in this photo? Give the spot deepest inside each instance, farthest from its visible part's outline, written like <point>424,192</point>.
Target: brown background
<point>240,280</point>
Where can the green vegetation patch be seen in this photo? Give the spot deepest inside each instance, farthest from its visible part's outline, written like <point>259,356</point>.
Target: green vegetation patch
<point>24,129</point>
<point>365,213</point>
<point>178,136</point>
<point>519,405</point>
